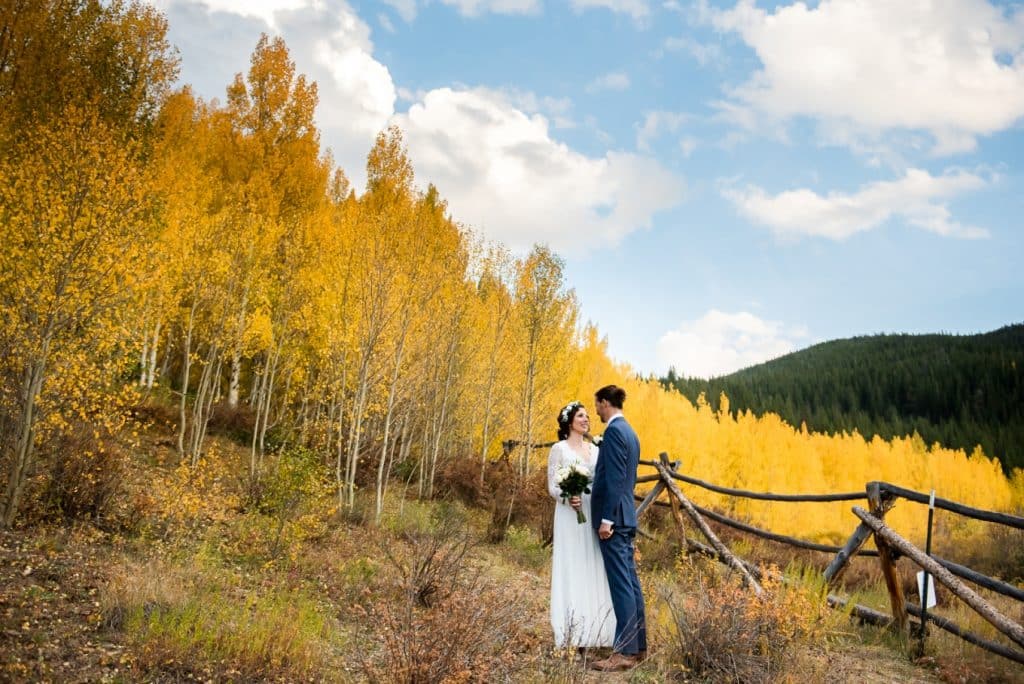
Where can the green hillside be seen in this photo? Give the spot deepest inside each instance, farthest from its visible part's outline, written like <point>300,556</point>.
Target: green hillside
<point>959,390</point>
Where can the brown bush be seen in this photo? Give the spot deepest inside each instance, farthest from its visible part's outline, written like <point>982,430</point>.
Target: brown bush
<point>724,633</point>
<point>237,423</point>
<point>459,479</point>
<point>510,498</point>
<point>442,619</point>
<point>83,476</point>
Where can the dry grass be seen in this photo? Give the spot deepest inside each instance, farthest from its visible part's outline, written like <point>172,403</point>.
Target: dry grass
<point>724,633</point>
<point>441,617</point>
<point>216,590</point>
<point>192,618</point>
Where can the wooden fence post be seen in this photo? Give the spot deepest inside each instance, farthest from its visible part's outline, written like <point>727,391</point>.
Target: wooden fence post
<point>677,514</point>
<point>732,560</point>
<point>879,504</point>
<point>962,591</point>
<point>859,537</point>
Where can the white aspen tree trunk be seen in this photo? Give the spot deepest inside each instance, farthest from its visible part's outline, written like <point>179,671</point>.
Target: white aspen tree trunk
<point>150,365</point>
<point>186,369</point>
<point>282,406</point>
<point>203,419</point>
<point>527,428</point>
<point>263,412</point>
<point>383,468</point>
<point>430,427</point>
<point>339,477</point>
<point>253,397</point>
<point>236,352</point>
<point>492,377</point>
<point>391,454</point>
<point>168,352</point>
<point>356,434</point>
<point>257,397</point>
<point>531,371</point>
<point>144,330</point>
<point>403,456</point>
<point>197,403</point>
<point>203,403</point>
<point>403,453</point>
<point>485,431</point>
<point>32,385</point>
<point>268,402</point>
<point>235,378</point>
<point>436,451</point>
<point>421,466</point>
<point>451,354</point>
<point>144,355</point>
<point>304,411</point>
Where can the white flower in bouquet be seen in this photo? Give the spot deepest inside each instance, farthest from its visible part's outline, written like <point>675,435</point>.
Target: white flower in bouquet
<point>574,479</point>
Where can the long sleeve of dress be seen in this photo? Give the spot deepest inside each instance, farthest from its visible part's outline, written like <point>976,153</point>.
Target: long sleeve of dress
<point>554,461</point>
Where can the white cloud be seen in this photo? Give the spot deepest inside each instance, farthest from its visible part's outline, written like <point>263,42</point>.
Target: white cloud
<point>953,69</point>
<point>357,93</point>
<point>490,153</point>
<point>328,42</point>
<point>703,53</point>
<point>504,174</point>
<point>655,125</point>
<point>557,109</point>
<point>720,343</point>
<point>264,10</point>
<point>614,80</point>
<point>917,198</point>
<point>638,9</point>
<point>474,8</point>
<point>405,8</point>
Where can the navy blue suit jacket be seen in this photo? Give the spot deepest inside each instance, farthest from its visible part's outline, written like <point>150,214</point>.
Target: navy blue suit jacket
<point>615,476</point>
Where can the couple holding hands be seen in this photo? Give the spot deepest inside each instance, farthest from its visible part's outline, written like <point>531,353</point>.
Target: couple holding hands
<point>596,599</point>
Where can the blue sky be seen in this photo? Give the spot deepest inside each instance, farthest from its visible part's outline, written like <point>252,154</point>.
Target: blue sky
<point>727,181</point>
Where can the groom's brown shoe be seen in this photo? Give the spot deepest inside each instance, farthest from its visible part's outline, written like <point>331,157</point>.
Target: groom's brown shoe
<point>616,662</point>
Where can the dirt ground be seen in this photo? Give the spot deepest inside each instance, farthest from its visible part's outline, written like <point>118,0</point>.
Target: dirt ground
<point>51,626</point>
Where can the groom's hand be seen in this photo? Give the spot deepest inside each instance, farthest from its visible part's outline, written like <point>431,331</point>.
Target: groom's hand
<point>605,531</point>
<point>576,502</point>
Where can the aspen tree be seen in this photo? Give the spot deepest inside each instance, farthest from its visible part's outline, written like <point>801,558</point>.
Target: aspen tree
<point>544,315</point>
<point>495,300</point>
<point>74,202</point>
<point>74,215</point>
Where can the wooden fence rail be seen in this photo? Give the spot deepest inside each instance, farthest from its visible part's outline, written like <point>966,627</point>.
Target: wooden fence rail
<point>945,504</point>
<point>890,547</point>
<point>962,571</point>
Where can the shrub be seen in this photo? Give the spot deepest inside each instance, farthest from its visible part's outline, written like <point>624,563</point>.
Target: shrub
<point>725,633</point>
<point>443,620</point>
<point>236,423</point>
<point>85,477</point>
<point>296,482</point>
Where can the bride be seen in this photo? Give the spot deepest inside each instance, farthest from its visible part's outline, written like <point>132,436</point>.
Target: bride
<point>581,604</point>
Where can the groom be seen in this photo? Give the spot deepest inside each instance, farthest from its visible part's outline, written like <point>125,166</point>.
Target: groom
<point>614,517</point>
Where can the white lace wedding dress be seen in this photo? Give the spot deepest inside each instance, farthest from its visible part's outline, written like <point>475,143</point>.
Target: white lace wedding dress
<point>581,605</point>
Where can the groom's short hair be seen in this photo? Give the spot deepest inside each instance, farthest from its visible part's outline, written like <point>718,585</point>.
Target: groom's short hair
<point>613,394</point>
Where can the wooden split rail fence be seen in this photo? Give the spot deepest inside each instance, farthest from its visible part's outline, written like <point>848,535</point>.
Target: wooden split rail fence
<point>880,497</point>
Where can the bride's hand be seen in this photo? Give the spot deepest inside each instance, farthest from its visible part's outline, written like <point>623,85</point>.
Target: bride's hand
<point>576,502</point>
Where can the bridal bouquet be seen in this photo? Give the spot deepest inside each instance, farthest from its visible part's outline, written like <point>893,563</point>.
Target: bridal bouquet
<point>574,480</point>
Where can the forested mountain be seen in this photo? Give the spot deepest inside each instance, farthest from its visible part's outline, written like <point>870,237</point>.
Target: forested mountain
<point>959,390</point>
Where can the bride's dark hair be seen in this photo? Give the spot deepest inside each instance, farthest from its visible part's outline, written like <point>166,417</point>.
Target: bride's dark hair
<point>565,417</point>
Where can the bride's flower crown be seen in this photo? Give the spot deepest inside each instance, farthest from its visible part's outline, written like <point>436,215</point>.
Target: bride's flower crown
<point>563,416</point>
